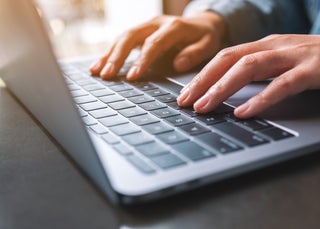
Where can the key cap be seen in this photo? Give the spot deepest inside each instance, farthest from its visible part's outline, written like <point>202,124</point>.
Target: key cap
<point>137,138</point>
<point>157,128</point>
<point>172,137</point>
<point>152,149</point>
<point>179,120</point>
<point>276,133</point>
<point>167,161</point>
<point>194,129</point>
<point>152,105</point>
<point>141,99</point>
<point>121,105</point>
<point>165,112</point>
<point>131,112</point>
<point>113,121</point>
<point>102,113</point>
<point>93,106</point>
<point>242,135</point>
<point>124,129</point>
<point>193,151</point>
<point>144,119</point>
<point>219,143</point>
<point>140,164</point>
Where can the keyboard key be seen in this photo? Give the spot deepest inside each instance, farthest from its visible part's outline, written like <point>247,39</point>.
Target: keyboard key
<point>141,99</point>
<point>93,106</point>
<point>130,93</point>
<point>179,120</point>
<point>165,112</point>
<point>113,120</point>
<point>125,129</point>
<point>174,105</point>
<point>84,82</point>
<point>167,98</point>
<point>242,135</point>
<point>111,98</point>
<point>276,133</point>
<point>223,108</point>
<point>79,93</point>
<point>157,128</point>
<point>121,87</point>
<point>140,164</point>
<point>85,99</point>
<point>219,143</point>
<point>99,129</point>
<point>152,149</point>
<point>189,111</point>
<point>137,138</point>
<point>110,139</point>
<point>172,137</point>
<point>167,161</point>
<point>131,112</point>
<point>82,113</point>
<point>144,119</point>
<point>156,92</point>
<point>255,124</point>
<point>102,113</point>
<point>194,129</point>
<point>121,105</point>
<point>88,121</point>
<point>144,86</point>
<point>152,105</point>
<point>210,119</point>
<point>93,87</point>
<point>103,92</point>
<point>122,149</point>
<point>193,151</point>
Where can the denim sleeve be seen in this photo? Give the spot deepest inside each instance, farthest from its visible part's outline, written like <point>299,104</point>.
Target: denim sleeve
<point>250,20</point>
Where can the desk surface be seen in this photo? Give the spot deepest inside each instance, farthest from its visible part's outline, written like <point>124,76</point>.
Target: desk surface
<point>40,187</point>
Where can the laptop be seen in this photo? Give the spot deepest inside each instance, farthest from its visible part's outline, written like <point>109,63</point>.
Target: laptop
<point>131,138</point>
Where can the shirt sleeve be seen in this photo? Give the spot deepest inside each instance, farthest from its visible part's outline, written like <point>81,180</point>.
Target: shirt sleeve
<point>249,20</point>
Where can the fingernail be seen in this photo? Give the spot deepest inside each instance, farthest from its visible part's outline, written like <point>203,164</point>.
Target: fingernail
<point>182,64</point>
<point>242,110</point>
<point>183,96</point>
<point>133,73</point>
<point>107,71</point>
<point>202,103</point>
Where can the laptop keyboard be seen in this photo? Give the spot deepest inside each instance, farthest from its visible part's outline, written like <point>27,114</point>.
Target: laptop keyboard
<point>144,124</point>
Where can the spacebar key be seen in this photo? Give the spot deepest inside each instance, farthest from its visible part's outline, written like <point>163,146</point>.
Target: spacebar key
<point>242,135</point>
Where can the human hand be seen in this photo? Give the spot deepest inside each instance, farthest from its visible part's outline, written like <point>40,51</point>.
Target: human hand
<point>292,59</point>
<point>198,37</point>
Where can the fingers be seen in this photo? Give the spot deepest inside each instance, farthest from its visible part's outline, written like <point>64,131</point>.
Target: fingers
<point>109,65</point>
<point>196,53</point>
<point>290,83</point>
<point>215,70</point>
<point>157,43</point>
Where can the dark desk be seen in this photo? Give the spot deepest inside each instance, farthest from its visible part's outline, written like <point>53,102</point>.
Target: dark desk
<point>40,187</point>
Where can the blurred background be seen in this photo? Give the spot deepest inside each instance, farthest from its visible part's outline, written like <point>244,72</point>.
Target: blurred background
<point>84,27</point>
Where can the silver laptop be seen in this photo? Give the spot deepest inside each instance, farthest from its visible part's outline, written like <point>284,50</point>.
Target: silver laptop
<point>132,139</point>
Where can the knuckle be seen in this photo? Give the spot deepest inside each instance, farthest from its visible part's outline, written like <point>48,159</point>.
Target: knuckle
<point>153,41</point>
<point>217,90</point>
<point>248,60</point>
<point>283,83</point>
<point>262,99</point>
<point>227,53</point>
<point>176,22</point>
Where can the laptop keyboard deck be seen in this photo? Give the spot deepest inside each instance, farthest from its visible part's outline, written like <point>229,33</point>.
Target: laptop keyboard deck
<point>143,122</point>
